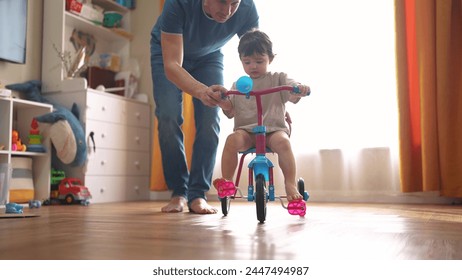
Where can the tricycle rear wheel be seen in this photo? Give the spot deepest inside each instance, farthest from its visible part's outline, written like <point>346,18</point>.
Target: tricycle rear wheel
<point>225,205</point>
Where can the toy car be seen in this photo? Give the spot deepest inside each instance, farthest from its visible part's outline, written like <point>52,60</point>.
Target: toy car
<point>69,191</point>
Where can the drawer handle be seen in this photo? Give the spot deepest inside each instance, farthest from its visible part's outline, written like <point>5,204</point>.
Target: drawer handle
<point>103,135</point>
<point>92,137</point>
<point>103,162</point>
<point>103,108</point>
<point>137,139</point>
<point>137,164</point>
<point>138,115</point>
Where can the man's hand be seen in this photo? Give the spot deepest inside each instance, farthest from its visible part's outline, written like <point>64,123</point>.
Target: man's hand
<point>212,95</point>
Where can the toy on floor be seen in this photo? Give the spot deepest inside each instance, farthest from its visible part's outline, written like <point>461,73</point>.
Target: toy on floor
<point>13,208</point>
<point>35,204</point>
<point>16,143</point>
<point>68,191</point>
<point>35,139</point>
<point>56,177</point>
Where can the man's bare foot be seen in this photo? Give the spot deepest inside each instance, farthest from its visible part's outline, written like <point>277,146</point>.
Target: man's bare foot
<point>175,205</point>
<point>200,206</point>
<point>292,193</point>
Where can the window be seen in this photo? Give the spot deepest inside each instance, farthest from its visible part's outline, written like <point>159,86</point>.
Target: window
<point>345,50</point>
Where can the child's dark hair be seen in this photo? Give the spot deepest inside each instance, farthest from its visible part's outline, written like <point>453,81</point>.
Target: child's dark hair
<point>255,42</point>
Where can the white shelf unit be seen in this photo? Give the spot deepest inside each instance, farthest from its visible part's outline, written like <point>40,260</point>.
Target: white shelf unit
<point>58,25</point>
<point>118,162</point>
<point>18,114</point>
<point>118,169</point>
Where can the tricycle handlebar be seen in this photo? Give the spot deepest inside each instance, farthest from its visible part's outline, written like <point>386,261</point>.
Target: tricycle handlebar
<point>294,89</point>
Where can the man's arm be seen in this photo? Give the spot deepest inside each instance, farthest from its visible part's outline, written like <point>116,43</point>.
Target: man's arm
<point>172,50</point>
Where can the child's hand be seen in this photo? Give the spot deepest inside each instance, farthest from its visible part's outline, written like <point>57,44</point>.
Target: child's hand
<point>304,90</point>
<point>288,118</point>
<point>225,104</point>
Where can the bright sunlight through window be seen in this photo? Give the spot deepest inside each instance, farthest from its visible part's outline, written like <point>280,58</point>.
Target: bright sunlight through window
<point>345,51</point>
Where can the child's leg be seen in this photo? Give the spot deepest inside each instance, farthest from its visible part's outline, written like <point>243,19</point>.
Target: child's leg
<point>239,140</point>
<point>279,143</point>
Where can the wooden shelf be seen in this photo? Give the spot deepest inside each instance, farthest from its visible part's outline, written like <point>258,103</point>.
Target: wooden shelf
<point>18,114</point>
<point>95,29</point>
<point>23,103</point>
<point>58,27</point>
<point>111,6</point>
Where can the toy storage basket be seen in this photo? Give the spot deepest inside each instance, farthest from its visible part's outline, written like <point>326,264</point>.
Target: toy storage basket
<point>21,187</point>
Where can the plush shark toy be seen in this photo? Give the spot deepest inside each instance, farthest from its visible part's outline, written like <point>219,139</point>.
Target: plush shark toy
<point>66,132</point>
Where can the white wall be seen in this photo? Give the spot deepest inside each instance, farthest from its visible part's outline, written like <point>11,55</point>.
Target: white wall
<point>17,73</point>
<point>142,21</point>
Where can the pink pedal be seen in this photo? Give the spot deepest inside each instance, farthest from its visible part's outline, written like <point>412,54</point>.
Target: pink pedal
<point>297,207</point>
<point>224,187</point>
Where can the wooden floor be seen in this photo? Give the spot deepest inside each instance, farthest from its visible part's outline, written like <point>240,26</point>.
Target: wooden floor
<point>138,230</point>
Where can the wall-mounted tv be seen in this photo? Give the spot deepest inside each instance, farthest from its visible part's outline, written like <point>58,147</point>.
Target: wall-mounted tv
<point>13,30</point>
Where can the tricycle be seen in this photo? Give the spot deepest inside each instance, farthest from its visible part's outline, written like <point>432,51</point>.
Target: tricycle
<point>260,169</point>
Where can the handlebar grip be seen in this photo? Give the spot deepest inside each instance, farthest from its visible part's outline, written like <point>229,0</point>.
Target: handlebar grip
<point>296,89</point>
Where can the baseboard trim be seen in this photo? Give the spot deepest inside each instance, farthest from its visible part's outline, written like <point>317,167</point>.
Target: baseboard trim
<point>160,195</point>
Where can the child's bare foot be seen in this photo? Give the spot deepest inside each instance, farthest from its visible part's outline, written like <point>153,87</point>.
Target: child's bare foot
<point>200,206</point>
<point>292,193</point>
<point>175,205</point>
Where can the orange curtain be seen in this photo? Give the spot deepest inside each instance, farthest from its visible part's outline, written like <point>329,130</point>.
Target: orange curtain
<point>189,131</point>
<point>429,61</point>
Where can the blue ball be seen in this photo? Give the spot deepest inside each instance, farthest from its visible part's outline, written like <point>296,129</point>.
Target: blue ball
<point>244,84</point>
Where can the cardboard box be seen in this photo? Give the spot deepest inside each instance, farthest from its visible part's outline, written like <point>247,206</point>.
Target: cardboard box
<point>98,76</point>
<point>84,10</point>
<point>110,61</point>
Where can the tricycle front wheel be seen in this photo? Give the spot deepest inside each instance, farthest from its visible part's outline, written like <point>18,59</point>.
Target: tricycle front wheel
<point>260,197</point>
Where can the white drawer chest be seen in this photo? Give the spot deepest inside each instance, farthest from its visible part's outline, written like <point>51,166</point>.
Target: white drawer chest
<point>118,137</point>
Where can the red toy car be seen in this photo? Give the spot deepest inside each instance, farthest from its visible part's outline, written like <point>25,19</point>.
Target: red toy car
<point>69,191</point>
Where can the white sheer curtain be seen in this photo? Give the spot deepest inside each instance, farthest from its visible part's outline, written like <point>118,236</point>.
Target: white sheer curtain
<point>344,134</point>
